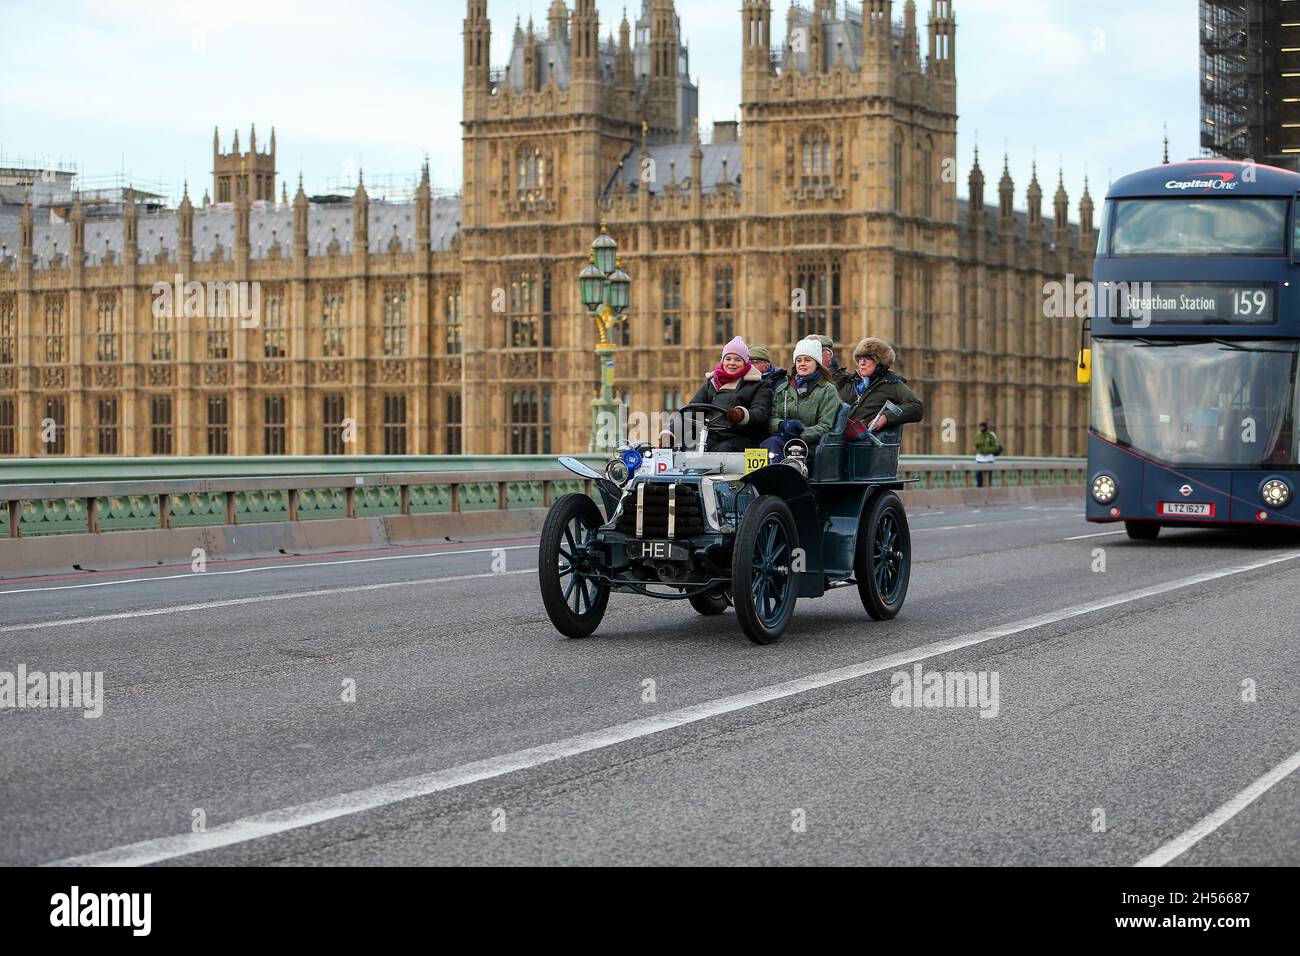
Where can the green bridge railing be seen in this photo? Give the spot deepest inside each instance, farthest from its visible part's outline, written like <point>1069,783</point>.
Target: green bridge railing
<point>123,494</point>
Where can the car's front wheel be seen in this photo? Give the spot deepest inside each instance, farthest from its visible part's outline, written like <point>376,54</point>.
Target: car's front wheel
<point>574,601</point>
<point>764,584</point>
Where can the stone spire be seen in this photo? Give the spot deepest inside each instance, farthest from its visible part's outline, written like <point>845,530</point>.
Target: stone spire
<point>1035,199</point>
<point>360,215</point>
<point>1061,203</point>
<point>557,21</point>
<point>1085,217</point>
<point>1006,192</point>
<point>585,42</point>
<point>423,210</point>
<point>185,229</point>
<point>300,220</point>
<point>909,51</point>
<point>26,249</point>
<point>478,43</point>
<point>943,39</point>
<point>976,185</point>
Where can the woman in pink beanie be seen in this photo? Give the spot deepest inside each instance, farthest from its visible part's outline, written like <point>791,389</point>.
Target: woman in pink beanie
<point>738,388</point>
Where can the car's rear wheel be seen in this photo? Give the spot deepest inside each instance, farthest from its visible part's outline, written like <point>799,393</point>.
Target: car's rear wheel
<point>711,603</point>
<point>763,580</point>
<point>574,601</point>
<point>883,564</point>
<point>1142,530</point>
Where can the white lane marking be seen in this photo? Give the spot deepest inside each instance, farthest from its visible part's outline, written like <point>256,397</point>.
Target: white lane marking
<point>259,599</point>
<point>358,801</point>
<point>268,567</point>
<point>1099,534</point>
<point>1185,841</point>
<point>927,514</point>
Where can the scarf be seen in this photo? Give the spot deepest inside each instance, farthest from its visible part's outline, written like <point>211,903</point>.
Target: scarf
<point>862,385</point>
<point>722,377</point>
<point>800,382</point>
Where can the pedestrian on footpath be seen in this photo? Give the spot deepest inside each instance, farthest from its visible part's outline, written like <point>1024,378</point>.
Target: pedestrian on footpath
<point>987,449</point>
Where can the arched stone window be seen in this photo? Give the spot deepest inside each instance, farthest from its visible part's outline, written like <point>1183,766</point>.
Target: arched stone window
<point>815,149</point>
<point>530,174</point>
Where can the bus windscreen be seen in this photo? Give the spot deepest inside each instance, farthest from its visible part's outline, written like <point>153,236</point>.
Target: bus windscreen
<point>1199,227</point>
<point>1208,403</point>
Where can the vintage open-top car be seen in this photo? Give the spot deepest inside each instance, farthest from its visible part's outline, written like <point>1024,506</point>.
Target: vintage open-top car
<point>720,528</point>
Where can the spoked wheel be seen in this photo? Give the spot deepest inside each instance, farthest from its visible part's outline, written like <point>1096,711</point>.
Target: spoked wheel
<point>762,569</point>
<point>1142,530</point>
<point>710,604</point>
<point>883,566</point>
<point>574,601</point>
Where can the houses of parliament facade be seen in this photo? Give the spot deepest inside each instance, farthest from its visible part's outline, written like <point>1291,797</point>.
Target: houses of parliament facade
<point>453,324</point>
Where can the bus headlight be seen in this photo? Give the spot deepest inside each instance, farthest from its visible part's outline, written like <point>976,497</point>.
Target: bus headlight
<point>1104,489</point>
<point>1275,492</point>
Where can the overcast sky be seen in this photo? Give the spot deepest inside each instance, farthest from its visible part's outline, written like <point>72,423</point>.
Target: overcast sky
<point>136,86</point>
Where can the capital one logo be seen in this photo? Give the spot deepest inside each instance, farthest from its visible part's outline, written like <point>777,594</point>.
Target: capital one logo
<point>1205,182</point>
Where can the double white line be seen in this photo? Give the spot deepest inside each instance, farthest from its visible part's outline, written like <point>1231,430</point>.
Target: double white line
<point>359,801</point>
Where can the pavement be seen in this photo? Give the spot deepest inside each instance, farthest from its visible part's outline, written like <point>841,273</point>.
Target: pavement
<point>414,706</point>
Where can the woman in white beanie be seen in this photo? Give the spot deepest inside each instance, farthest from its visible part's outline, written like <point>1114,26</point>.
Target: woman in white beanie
<point>804,405</point>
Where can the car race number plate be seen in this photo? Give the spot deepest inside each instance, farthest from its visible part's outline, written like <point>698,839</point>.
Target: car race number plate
<point>663,551</point>
<point>1186,509</point>
<point>755,458</point>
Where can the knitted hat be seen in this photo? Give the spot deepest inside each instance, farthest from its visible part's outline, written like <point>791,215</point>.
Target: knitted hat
<point>737,346</point>
<point>881,349</point>
<point>759,353</point>
<point>811,348</point>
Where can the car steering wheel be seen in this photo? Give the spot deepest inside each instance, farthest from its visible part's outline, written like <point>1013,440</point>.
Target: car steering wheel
<point>712,411</point>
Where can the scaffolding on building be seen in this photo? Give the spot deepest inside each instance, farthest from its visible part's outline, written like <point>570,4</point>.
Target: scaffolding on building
<point>1232,94</point>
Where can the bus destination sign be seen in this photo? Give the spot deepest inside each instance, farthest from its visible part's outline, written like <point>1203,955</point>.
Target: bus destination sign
<point>1196,303</point>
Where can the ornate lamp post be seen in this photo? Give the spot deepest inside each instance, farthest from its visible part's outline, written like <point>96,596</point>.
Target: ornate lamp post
<point>606,292</point>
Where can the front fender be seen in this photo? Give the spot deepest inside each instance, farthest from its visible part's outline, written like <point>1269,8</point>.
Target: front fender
<point>610,493</point>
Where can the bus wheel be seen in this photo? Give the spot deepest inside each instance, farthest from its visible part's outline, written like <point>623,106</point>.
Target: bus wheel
<point>1142,530</point>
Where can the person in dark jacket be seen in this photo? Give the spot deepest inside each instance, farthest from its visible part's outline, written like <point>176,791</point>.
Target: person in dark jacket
<point>875,384</point>
<point>737,387</point>
<point>762,359</point>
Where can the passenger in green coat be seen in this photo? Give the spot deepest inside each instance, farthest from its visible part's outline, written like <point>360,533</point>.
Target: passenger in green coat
<point>875,384</point>
<point>805,405</point>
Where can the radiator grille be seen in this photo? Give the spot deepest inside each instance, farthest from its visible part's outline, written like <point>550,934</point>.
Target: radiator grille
<point>688,512</point>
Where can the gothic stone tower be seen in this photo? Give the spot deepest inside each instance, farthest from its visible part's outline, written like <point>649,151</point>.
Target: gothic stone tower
<point>541,140</point>
<point>250,174</point>
<point>849,183</point>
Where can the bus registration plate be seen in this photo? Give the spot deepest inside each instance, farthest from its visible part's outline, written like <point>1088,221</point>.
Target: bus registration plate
<point>1186,509</point>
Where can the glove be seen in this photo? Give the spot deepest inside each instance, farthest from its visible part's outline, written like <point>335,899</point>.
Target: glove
<point>791,428</point>
<point>737,415</point>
